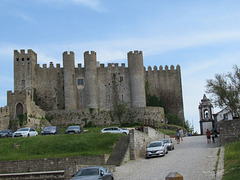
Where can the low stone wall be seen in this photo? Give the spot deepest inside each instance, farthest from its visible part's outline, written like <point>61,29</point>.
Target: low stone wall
<point>139,141</point>
<point>52,164</point>
<point>229,131</point>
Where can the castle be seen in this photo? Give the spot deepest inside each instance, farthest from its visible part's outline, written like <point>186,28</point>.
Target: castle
<point>38,90</point>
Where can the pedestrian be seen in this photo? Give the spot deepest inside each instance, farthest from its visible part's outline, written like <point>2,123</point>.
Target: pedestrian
<point>213,136</point>
<point>177,136</point>
<point>181,134</point>
<point>208,134</point>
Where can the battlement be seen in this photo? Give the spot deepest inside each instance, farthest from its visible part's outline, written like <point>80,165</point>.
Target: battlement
<point>172,69</point>
<point>22,52</point>
<point>135,52</point>
<point>68,53</point>
<point>4,111</point>
<point>51,66</point>
<point>90,53</point>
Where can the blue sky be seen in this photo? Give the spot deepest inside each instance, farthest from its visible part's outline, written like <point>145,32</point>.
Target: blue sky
<point>203,37</point>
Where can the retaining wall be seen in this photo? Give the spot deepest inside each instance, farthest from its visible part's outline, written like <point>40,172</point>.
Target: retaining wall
<point>229,131</point>
<point>52,164</point>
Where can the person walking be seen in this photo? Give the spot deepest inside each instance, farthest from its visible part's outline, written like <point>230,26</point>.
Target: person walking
<point>181,134</point>
<point>177,136</point>
<point>208,134</point>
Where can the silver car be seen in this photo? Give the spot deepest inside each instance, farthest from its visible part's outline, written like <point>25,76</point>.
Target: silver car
<point>115,130</point>
<point>93,173</point>
<point>156,148</point>
<point>169,144</point>
<point>73,130</point>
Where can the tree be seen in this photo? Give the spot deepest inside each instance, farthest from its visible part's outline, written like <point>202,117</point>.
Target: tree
<point>225,89</point>
<point>119,110</point>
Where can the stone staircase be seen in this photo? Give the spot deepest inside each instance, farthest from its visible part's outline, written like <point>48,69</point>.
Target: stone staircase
<point>119,151</point>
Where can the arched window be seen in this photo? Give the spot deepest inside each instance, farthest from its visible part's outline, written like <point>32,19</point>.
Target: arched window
<point>206,114</point>
<point>19,109</point>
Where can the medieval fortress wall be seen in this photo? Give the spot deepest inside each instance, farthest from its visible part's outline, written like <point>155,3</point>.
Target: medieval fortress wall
<point>72,88</point>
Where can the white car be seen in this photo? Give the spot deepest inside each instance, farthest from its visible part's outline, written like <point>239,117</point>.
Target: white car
<point>156,148</point>
<point>115,130</point>
<point>25,132</point>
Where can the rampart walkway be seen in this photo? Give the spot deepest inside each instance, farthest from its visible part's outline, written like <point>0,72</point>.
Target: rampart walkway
<point>193,158</point>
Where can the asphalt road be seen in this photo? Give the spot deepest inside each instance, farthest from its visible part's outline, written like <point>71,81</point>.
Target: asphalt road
<point>193,158</point>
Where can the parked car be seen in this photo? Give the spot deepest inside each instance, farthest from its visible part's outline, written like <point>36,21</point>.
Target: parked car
<point>6,133</point>
<point>93,173</point>
<point>115,130</point>
<point>73,130</point>
<point>51,130</point>
<point>25,132</point>
<point>156,148</point>
<point>169,144</point>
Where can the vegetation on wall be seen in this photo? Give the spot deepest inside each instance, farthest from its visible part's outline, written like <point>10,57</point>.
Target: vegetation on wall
<point>91,110</point>
<point>49,117</point>
<point>22,119</point>
<point>35,98</point>
<point>152,100</point>
<point>119,110</point>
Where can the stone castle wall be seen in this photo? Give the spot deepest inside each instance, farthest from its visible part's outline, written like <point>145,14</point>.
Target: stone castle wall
<point>4,118</point>
<point>151,115</point>
<point>229,131</point>
<point>166,85</point>
<point>56,88</point>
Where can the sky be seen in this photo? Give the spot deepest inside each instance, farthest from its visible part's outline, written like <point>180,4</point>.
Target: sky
<point>203,37</point>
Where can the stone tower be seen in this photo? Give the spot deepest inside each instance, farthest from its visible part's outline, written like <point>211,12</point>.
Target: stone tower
<point>137,82</point>
<point>206,116</point>
<point>91,83</point>
<point>69,80</point>
<point>24,70</point>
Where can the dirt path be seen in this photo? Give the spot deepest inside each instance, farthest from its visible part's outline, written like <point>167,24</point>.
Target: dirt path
<point>193,158</point>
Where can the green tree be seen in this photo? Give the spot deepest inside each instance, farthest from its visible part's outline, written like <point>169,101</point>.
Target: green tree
<point>119,110</point>
<point>225,89</point>
<point>152,100</point>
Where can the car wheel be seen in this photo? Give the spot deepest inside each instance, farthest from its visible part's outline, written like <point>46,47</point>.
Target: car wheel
<point>173,148</point>
<point>28,135</point>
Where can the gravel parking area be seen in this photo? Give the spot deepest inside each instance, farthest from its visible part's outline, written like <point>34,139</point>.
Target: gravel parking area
<point>193,158</point>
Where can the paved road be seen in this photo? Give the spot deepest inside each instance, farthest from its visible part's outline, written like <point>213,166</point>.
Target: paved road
<point>193,158</point>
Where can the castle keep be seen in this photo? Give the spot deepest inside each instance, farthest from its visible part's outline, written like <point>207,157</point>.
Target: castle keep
<point>69,88</point>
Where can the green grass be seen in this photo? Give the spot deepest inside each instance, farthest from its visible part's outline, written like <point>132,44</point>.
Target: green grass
<point>232,161</point>
<point>87,144</point>
<point>167,131</point>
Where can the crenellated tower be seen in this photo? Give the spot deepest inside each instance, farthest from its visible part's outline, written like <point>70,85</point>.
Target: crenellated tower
<point>24,70</point>
<point>69,81</point>
<point>91,83</point>
<point>136,75</point>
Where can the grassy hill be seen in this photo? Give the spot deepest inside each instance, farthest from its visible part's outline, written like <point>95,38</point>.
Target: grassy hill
<point>86,144</point>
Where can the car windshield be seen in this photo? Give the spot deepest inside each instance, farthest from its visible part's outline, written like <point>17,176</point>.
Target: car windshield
<point>23,129</point>
<point>4,131</point>
<point>155,144</point>
<point>73,127</point>
<point>50,128</point>
<point>166,140</point>
<point>88,172</point>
